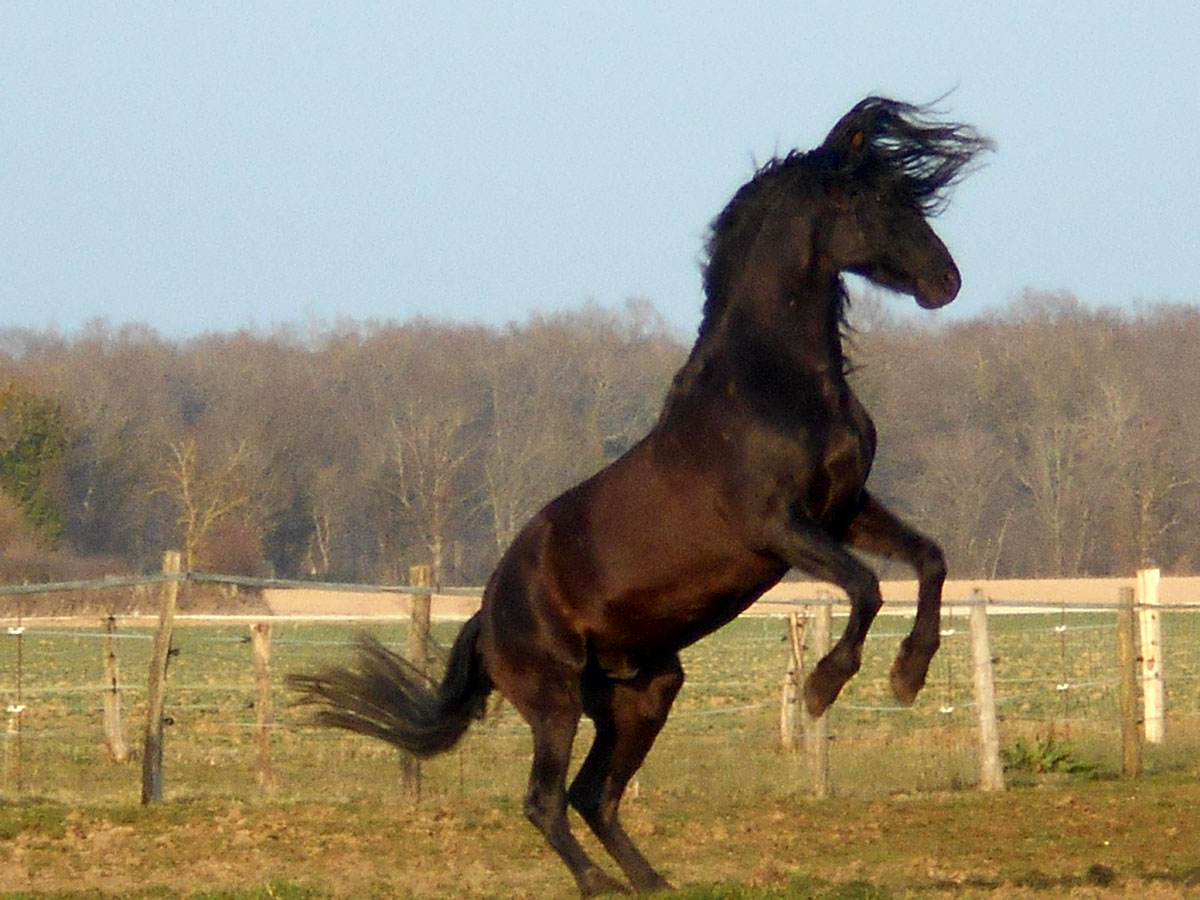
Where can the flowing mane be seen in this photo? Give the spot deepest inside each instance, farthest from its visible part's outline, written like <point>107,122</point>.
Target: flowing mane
<point>733,231</point>
<point>895,146</point>
<point>903,145</point>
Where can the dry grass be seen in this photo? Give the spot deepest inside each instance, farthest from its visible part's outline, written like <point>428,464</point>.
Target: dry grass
<point>719,806</point>
<point>1087,839</point>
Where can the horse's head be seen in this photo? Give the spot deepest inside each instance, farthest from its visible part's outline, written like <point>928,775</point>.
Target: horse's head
<point>858,203</point>
<point>888,170</point>
<point>888,240</point>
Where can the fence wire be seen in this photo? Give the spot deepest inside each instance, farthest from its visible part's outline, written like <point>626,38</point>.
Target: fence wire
<point>1056,693</point>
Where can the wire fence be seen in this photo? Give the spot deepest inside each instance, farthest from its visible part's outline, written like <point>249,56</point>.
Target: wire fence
<point>1056,694</point>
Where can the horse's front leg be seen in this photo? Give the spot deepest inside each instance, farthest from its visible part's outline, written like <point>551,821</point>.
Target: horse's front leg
<point>876,530</point>
<point>806,546</point>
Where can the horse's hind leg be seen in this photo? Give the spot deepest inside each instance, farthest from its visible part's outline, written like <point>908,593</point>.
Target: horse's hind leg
<point>554,720</point>
<point>628,717</point>
<point>878,531</point>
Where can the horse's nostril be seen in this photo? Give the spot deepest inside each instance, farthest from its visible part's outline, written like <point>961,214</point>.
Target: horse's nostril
<point>951,280</point>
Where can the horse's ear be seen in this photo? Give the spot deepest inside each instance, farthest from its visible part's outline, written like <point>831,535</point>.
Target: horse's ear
<point>846,147</point>
<point>848,141</point>
<point>849,149</point>
<point>856,149</point>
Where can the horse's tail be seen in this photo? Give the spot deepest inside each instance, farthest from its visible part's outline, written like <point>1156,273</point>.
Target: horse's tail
<point>385,696</point>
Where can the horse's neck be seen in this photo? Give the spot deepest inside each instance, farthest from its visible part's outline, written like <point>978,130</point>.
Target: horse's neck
<point>796,316</point>
<point>799,331</point>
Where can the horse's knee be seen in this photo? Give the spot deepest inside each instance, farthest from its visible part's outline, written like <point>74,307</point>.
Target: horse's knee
<point>931,565</point>
<point>864,594</point>
<point>922,643</point>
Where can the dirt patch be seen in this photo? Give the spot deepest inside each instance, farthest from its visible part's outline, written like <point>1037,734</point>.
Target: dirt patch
<point>362,604</point>
<point>899,597</point>
<point>1012,595</point>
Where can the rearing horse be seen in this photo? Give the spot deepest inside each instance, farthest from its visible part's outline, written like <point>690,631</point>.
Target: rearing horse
<point>756,465</point>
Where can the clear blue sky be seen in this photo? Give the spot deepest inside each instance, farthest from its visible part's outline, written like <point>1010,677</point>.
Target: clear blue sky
<point>207,165</point>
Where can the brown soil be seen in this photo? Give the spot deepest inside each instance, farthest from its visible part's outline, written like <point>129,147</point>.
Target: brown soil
<point>899,594</point>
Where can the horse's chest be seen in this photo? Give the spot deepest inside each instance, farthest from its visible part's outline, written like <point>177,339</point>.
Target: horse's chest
<point>840,465</point>
<point>846,461</point>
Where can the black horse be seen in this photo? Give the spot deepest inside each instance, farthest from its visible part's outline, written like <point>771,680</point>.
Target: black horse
<point>757,465</point>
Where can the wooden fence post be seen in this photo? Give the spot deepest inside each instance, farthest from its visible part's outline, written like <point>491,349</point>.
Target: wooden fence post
<point>260,645</point>
<point>152,777</point>
<point>1128,663</point>
<point>114,729</point>
<point>13,746</point>
<point>816,731</point>
<point>418,655</point>
<point>991,771</point>
<point>1153,696</point>
<point>791,699</point>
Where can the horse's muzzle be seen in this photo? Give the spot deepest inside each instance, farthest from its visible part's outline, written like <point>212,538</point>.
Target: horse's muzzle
<point>940,290</point>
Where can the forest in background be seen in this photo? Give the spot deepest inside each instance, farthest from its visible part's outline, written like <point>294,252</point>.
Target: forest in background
<point>1049,440</point>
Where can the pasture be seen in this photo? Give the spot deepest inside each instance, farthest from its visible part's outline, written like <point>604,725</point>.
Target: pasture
<point>718,805</point>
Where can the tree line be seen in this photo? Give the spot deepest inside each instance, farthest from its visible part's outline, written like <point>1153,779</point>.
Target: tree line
<point>1048,440</point>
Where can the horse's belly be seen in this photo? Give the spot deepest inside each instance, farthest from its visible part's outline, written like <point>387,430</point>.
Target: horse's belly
<point>674,614</point>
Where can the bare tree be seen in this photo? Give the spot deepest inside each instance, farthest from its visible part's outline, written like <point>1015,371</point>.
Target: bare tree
<point>431,403</point>
<point>1050,438</point>
<point>1145,473</point>
<point>532,446</point>
<point>961,495</point>
<point>207,492</point>
<point>430,448</point>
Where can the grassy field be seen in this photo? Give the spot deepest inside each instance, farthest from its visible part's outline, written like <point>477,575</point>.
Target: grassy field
<point>718,805</point>
<point>1082,839</point>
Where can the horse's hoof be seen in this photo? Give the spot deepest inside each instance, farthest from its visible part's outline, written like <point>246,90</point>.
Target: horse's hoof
<point>902,690</point>
<point>819,692</point>
<point>653,885</point>
<point>815,705</point>
<point>594,882</point>
<point>908,674</point>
